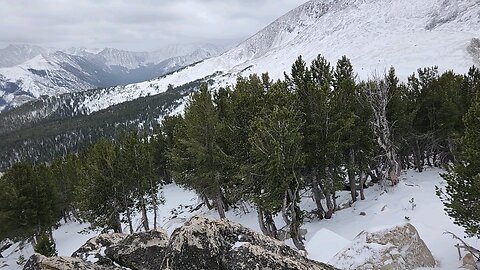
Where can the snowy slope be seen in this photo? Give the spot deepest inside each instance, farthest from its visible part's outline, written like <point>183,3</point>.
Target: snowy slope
<point>324,238</point>
<point>374,34</point>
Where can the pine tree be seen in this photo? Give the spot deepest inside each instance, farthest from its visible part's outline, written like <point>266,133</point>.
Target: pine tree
<point>100,194</point>
<point>197,159</point>
<point>66,173</point>
<point>346,115</point>
<point>463,180</point>
<point>45,246</point>
<point>28,201</point>
<point>276,142</point>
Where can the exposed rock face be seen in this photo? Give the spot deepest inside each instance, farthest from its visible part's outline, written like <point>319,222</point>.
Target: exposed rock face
<point>218,244</point>
<point>474,50</point>
<point>201,244</point>
<point>144,250</point>
<point>40,262</point>
<point>395,248</point>
<point>94,249</point>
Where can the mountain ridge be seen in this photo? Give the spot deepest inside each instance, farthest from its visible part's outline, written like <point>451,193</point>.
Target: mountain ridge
<point>374,34</point>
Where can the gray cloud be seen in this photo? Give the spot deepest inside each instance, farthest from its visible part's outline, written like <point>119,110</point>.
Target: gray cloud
<point>135,24</point>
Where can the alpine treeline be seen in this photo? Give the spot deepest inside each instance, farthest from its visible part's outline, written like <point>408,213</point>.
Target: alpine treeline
<point>269,144</point>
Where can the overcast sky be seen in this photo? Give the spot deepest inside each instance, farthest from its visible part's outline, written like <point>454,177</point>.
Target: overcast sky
<point>135,24</point>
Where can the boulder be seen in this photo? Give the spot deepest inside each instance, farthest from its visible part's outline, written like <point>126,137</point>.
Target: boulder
<point>200,244</point>
<point>4,245</point>
<point>218,244</point>
<point>94,249</point>
<point>144,250</point>
<point>396,248</point>
<point>40,262</point>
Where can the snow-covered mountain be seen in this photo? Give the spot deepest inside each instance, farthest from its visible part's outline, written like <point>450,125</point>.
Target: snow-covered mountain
<point>13,55</point>
<point>28,72</point>
<point>374,34</point>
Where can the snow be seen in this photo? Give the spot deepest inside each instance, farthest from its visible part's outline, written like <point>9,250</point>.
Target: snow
<point>386,209</point>
<point>325,238</point>
<point>374,34</point>
<point>324,244</point>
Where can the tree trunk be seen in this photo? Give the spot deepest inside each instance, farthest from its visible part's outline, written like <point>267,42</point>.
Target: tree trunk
<point>334,200</point>
<point>351,177</point>
<point>144,214</point>
<point>220,205</point>
<point>117,224</point>
<point>317,195</point>
<point>129,220</point>
<point>295,222</point>
<point>379,97</point>
<point>328,195</point>
<point>155,210</point>
<point>261,222</point>
<point>363,179</point>
<point>270,223</point>
<point>154,194</point>
<point>205,199</point>
<point>267,225</point>
<point>353,188</point>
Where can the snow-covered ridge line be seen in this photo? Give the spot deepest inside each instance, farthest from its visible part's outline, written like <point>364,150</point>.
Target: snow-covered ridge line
<point>374,34</point>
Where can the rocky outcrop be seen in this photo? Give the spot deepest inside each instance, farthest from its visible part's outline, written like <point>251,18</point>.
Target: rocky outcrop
<point>201,244</point>
<point>474,50</point>
<point>40,262</point>
<point>218,244</point>
<point>396,248</point>
<point>94,249</point>
<point>144,250</point>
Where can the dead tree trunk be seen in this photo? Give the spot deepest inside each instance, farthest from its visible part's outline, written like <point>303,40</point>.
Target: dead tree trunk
<point>378,96</point>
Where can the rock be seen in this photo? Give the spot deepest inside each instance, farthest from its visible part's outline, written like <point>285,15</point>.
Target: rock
<point>40,262</point>
<point>218,244</point>
<point>363,214</point>
<point>468,262</point>
<point>94,249</point>
<point>394,248</point>
<point>4,245</point>
<point>144,250</point>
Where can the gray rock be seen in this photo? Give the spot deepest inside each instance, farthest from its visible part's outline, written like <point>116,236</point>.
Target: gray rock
<point>396,248</point>
<point>144,250</point>
<point>40,262</point>
<point>200,244</point>
<point>218,244</point>
<point>474,50</point>
<point>94,249</point>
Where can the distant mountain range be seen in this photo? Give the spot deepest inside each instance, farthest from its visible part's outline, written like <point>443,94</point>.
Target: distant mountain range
<point>28,72</point>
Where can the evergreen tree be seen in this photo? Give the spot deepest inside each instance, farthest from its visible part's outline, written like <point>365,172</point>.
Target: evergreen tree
<point>276,143</point>
<point>197,159</point>
<point>45,246</point>
<point>463,189</point>
<point>28,201</point>
<point>66,173</point>
<point>100,194</point>
<point>346,115</point>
